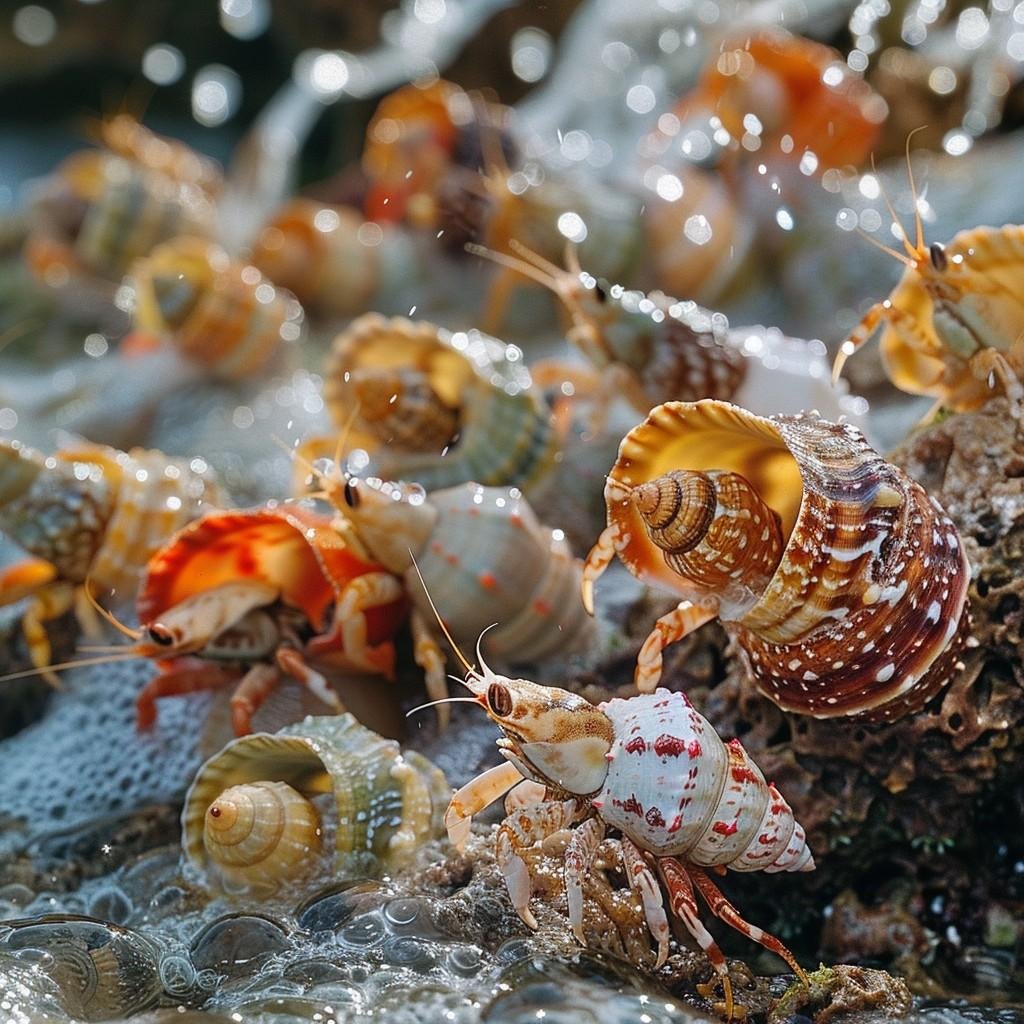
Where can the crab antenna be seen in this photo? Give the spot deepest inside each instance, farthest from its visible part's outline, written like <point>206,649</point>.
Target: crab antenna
<point>520,266</point>
<point>479,652</point>
<point>910,250</point>
<point>109,616</point>
<point>888,250</point>
<point>81,663</point>
<point>490,139</point>
<point>444,629</point>
<point>443,700</point>
<point>913,189</point>
<point>339,448</point>
<point>531,256</point>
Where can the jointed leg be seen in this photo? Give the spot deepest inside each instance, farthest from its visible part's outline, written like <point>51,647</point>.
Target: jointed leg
<point>291,663</point>
<point>428,655</point>
<point>190,678</point>
<point>250,694</point>
<point>49,603</point>
<point>579,857</point>
<point>989,363</point>
<point>645,887</point>
<point>684,905</point>
<point>371,590</point>
<point>598,559</point>
<point>474,796</point>
<point>723,909</point>
<point>524,794</point>
<point>860,334</point>
<point>669,629</point>
<point>520,831</point>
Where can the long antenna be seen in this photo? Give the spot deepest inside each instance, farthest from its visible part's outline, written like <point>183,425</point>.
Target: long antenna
<point>913,189</point>
<point>437,615</point>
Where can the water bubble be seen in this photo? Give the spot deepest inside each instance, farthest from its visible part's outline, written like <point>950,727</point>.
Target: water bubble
<point>971,28</point>
<point>942,80</point>
<point>572,226</point>
<point>846,219</point>
<point>34,25</point>
<point>641,99</point>
<point>163,64</point>
<point>531,54</point>
<point>244,19</point>
<point>869,187</point>
<point>576,145</point>
<point>697,229</point>
<point>784,219</point>
<point>95,345</point>
<point>669,187</point>
<point>216,94</point>
<point>956,142</point>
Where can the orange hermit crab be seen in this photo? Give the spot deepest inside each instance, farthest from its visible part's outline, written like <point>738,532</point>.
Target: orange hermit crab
<point>250,596</point>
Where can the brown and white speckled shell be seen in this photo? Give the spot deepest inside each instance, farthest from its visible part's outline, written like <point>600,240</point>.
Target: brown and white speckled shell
<point>97,512</point>
<point>867,610</point>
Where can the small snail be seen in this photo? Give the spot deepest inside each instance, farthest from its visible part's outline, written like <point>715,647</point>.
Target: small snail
<point>436,407</point>
<point>89,512</point>
<point>384,804</point>
<point>220,314</point>
<point>843,583</point>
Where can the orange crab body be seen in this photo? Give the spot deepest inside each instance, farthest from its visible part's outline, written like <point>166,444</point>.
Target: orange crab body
<point>250,596</point>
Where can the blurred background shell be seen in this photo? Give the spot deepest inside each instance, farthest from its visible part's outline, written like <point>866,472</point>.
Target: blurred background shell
<point>385,803</point>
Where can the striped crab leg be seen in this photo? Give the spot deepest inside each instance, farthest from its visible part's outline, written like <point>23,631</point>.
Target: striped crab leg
<point>474,796</point>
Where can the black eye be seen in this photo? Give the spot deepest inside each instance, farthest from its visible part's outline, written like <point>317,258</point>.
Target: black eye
<point>351,494</point>
<point>160,635</point>
<point>938,255</point>
<point>499,700</point>
<point>602,295</point>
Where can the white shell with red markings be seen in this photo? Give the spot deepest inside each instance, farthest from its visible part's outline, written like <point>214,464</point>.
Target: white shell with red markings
<point>676,789</point>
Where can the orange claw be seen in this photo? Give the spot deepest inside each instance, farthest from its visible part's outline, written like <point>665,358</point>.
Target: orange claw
<point>25,578</point>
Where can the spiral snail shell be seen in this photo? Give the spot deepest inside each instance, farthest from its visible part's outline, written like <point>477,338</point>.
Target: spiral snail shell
<point>385,803</point>
<point>436,407</point>
<point>843,583</point>
<point>221,314</point>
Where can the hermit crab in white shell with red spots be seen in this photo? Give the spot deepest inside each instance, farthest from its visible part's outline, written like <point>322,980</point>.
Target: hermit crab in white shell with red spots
<point>652,768</point>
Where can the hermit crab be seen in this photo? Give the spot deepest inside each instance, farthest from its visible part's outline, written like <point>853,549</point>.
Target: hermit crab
<point>651,768</point>
<point>252,819</point>
<point>842,582</point>
<point>437,407</point>
<point>90,515</point>
<point>650,348</point>
<point>954,324</point>
<point>246,597</point>
<point>98,213</point>
<point>336,263</point>
<point>216,312</point>
<point>485,559</point>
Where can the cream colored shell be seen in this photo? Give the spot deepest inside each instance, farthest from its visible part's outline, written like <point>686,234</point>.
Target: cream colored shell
<point>386,803</point>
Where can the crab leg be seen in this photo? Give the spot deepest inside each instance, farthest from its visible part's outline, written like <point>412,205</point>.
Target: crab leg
<point>49,603</point>
<point>428,655</point>
<point>191,677</point>
<point>526,793</point>
<point>371,590</point>
<point>724,910</point>
<point>990,363</point>
<point>860,334</point>
<point>520,831</point>
<point>599,558</point>
<point>645,887</point>
<point>683,902</point>
<point>474,796</point>
<point>579,857</point>
<point>669,629</point>
<point>250,694</point>
<point>293,664</point>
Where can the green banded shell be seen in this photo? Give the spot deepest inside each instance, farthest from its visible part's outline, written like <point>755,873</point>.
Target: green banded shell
<point>387,802</point>
<point>504,434</point>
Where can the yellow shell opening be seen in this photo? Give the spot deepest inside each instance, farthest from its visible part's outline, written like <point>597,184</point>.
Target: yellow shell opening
<point>700,436</point>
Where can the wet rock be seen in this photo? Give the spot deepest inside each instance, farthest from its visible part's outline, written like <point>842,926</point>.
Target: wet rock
<point>581,993</point>
<point>835,991</point>
<point>330,909</point>
<point>854,932</point>
<point>100,971</point>
<point>236,946</point>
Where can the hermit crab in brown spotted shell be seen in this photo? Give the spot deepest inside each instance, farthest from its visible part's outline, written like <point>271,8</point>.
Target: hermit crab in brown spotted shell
<point>954,325</point>
<point>90,513</point>
<point>683,803</point>
<point>842,582</point>
<point>243,598</point>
